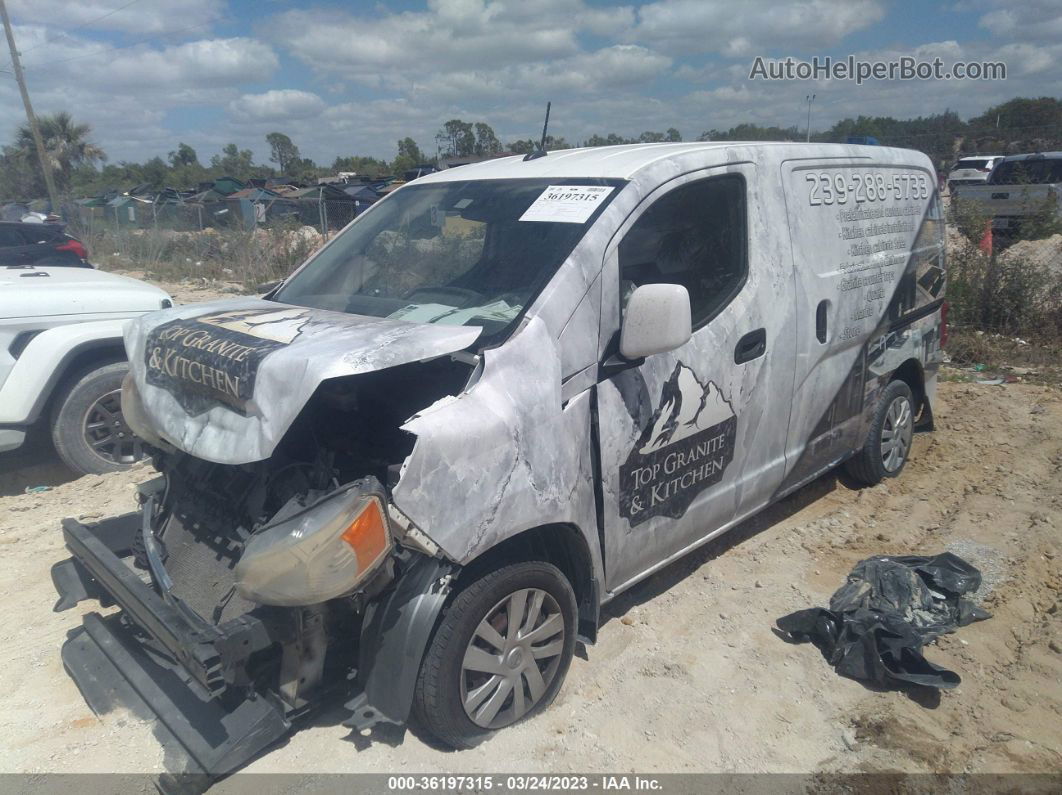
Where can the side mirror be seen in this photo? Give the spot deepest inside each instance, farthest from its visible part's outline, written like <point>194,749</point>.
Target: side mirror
<point>657,320</point>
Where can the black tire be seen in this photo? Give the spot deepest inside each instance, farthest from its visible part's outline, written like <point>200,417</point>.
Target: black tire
<point>94,393</point>
<point>868,465</point>
<point>438,698</point>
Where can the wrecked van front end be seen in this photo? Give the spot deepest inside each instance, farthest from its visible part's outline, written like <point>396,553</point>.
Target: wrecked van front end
<point>272,568</point>
<point>252,573</point>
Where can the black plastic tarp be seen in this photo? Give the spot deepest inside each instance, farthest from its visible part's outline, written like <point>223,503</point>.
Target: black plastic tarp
<point>889,608</point>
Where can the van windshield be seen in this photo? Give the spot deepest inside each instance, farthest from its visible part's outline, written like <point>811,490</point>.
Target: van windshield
<point>471,253</point>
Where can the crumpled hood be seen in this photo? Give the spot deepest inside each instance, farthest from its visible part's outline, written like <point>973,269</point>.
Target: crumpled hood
<point>224,380</point>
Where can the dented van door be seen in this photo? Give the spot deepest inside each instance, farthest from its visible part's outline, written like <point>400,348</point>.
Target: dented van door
<point>692,439</point>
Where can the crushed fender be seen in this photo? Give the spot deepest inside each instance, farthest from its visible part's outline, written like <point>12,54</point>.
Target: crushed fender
<point>889,608</point>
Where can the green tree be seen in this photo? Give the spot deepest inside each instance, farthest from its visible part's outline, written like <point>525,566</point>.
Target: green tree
<point>608,140</point>
<point>184,155</point>
<point>487,142</point>
<point>233,161</point>
<point>409,156</point>
<point>20,178</point>
<point>368,166</point>
<point>66,143</point>
<point>752,132</point>
<point>457,138</point>
<point>283,152</point>
<point>155,173</point>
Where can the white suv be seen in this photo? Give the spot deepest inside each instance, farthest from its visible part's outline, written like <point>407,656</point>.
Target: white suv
<point>972,170</point>
<point>62,358</point>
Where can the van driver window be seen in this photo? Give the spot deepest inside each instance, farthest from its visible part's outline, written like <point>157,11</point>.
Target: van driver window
<point>693,236</point>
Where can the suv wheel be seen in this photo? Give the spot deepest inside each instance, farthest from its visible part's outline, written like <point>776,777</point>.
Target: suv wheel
<point>499,655</point>
<point>88,429</point>
<point>888,443</point>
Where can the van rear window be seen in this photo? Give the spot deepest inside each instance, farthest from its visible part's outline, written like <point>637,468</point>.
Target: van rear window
<point>971,164</point>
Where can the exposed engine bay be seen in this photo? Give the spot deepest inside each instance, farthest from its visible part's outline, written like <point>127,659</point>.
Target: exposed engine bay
<point>337,461</point>
<point>348,431</point>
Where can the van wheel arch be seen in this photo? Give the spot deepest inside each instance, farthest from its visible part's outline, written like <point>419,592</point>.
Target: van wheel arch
<point>912,374</point>
<point>563,545</point>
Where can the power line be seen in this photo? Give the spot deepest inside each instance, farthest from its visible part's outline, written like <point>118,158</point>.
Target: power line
<point>84,24</point>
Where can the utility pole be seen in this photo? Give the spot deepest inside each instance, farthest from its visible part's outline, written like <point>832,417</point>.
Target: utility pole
<point>42,155</point>
<point>809,99</point>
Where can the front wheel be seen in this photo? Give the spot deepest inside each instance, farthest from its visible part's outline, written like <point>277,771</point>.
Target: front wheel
<point>888,443</point>
<point>499,654</point>
<point>88,429</point>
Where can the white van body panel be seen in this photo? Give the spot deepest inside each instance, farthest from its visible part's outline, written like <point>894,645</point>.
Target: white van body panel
<point>852,257</point>
<point>648,461</point>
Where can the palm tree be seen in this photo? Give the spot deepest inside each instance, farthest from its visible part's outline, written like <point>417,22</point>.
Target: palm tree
<point>65,142</point>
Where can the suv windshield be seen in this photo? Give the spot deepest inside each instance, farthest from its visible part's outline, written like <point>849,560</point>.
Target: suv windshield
<point>461,253</point>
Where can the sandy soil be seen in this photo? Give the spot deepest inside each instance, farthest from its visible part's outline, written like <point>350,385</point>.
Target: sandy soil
<point>192,291</point>
<point>687,674</point>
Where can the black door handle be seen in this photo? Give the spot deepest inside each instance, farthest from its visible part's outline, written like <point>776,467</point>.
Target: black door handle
<point>752,346</point>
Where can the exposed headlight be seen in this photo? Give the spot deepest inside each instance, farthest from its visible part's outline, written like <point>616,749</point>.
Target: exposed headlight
<point>316,554</point>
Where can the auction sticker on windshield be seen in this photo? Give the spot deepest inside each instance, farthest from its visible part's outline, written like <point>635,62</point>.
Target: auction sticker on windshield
<point>566,204</point>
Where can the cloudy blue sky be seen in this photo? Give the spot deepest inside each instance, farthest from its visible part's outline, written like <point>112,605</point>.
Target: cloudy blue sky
<point>351,78</point>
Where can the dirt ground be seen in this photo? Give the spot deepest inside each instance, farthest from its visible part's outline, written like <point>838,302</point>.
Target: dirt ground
<point>687,674</point>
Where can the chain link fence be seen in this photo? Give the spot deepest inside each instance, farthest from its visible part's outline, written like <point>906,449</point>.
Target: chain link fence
<point>327,216</point>
<point>235,240</point>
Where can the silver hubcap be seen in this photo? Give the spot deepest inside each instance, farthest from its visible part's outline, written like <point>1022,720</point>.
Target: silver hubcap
<point>108,435</point>
<point>512,657</point>
<point>896,433</point>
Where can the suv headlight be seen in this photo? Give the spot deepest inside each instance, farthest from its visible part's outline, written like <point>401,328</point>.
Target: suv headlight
<point>317,553</point>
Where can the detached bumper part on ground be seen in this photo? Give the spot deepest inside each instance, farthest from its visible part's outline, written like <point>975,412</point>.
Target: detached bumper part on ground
<point>889,608</point>
<point>161,660</point>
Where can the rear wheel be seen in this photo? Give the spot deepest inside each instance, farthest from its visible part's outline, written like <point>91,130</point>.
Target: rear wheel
<point>888,443</point>
<point>88,429</point>
<point>499,654</point>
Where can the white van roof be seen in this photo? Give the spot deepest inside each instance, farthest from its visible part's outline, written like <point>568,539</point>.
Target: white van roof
<point>621,162</point>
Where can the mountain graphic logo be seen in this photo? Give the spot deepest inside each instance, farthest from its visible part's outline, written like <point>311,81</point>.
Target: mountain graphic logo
<point>686,407</point>
<point>686,447</point>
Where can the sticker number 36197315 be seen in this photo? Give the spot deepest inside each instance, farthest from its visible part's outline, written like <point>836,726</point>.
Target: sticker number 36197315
<point>839,187</point>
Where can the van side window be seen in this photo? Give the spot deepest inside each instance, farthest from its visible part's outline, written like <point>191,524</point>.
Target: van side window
<point>694,236</point>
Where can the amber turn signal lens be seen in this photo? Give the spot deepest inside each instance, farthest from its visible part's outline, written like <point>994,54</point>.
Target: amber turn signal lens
<point>367,535</point>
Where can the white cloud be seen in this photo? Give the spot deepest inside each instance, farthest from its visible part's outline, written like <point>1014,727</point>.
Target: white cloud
<point>152,16</point>
<point>450,35</point>
<point>739,29</point>
<point>127,95</point>
<point>1033,20</point>
<point>278,105</point>
<point>204,64</point>
<point>369,76</point>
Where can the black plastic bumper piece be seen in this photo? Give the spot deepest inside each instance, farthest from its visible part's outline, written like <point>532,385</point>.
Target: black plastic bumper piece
<point>394,635</point>
<point>191,642</point>
<point>204,738</point>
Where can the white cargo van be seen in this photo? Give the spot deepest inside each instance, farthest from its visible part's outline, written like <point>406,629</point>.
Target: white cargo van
<point>411,475</point>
